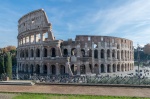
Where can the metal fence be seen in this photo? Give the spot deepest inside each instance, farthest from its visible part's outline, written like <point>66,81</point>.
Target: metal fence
<point>85,79</point>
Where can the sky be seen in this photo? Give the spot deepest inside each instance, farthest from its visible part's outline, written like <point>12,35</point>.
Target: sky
<point>119,18</point>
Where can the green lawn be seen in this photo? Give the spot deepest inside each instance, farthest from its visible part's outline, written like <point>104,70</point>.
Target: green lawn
<point>56,96</point>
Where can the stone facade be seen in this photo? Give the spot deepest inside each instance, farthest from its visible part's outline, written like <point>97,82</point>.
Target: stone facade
<point>39,52</point>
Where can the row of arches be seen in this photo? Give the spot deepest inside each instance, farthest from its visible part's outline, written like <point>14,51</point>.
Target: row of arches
<point>25,68</point>
<point>31,53</point>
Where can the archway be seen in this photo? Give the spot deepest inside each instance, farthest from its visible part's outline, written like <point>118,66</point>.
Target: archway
<point>114,68</point>
<point>102,53</point>
<point>32,54</point>
<point>96,69</point>
<point>108,53</point>
<point>108,68</point>
<point>53,52</point>
<point>45,52</point>
<point>95,54</point>
<point>53,69</point>
<point>62,69</point>
<point>45,69</point>
<point>65,52</point>
<point>37,52</point>
<point>102,68</point>
<point>118,67</point>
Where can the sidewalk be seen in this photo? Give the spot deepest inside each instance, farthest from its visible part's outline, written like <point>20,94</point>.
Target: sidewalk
<point>84,90</point>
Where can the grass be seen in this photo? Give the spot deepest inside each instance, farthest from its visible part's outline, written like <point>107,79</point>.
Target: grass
<point>60,96</point>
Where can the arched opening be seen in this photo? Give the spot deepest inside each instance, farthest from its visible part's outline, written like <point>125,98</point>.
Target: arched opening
<point>37,52</point>
<point>32,54</point>
<point>108,68</point>
<point>83,52</point>
<point>65,52</point>
<point>90,53</point>
<point>53,52</point>
<point>45,52</point>
<point>73,51</point>
<point>118,67</point>
<point>95,46</point>
<point>82,69</point>
<point>62,69</point>
<point>74,69</point>
<point>53,69</point>
<point>26,51</point>
<point>113,53</point>
<point>118,54</point>
<point>114,68</point>
<point>95,54</point>
<point>31,69</point>
<point>45,69</point>
<point>96,69</point>
<point>108,53</point>
<point>102,68</point>
<point>102,53</point>
<point>37,69</point>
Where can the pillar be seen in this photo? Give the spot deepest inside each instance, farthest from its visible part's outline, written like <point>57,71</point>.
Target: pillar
<point>78,69</point>
<point>48,69</point>
<point>41,68</point>
<point>41,37</point>
<point>105,68</point>
<point>57,69</point>
<point>35,38</point>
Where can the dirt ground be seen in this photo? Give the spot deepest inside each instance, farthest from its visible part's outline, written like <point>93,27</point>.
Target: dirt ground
<point>84,90</point>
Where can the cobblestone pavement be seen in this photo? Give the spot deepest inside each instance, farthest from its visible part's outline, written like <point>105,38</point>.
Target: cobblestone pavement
<point>85,90</point>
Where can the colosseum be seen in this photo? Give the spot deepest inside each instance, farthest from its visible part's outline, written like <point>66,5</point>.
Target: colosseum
<point>39,52</point>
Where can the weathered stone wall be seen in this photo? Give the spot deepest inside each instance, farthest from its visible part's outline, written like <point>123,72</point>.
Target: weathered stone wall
<point>39,52</point>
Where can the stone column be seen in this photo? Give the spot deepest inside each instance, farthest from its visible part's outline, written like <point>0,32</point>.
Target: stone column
<point>69,50</point>
<point>35,38</point>
<point>116,68</point>
<point>57,51</point>
<point>78,51</point>
<point>48,69</point>
<point>41,37</point>
<point>29,39</point>
<point>57,69</point>
<point>99,50</point>
<point>115,54</point>
<point>99,66</point>
<point>25,40</point>
<point>78,69</point>
<point>34,52</point>
<point>111,68</point>
<point>41,68</point>
<point>41,52</point>
<point>105,68</point>
<point>66,68</point>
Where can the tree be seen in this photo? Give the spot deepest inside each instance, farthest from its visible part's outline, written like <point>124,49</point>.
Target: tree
<point>8,64</point>
<point>1,64</point>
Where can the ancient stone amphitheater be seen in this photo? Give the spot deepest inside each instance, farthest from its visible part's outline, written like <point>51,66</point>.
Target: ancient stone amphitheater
<point>39,52</point>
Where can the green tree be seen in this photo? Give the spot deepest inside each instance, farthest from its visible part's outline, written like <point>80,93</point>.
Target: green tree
<point>1,64</point>
<point>8,64</point>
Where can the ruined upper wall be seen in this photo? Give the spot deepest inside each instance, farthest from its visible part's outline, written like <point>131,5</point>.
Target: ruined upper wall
<point>33,21</point>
